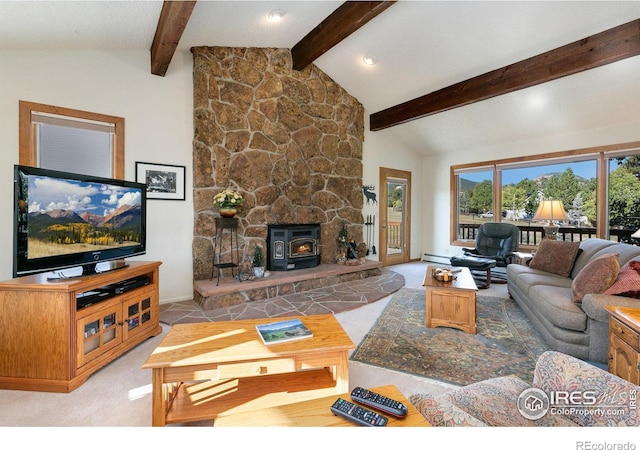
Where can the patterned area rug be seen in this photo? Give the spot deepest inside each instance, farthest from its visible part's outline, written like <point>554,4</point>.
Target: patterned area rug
<point>506,343</point>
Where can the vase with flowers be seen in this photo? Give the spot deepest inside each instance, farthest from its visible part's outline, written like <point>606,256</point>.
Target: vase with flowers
<point>228,202</point>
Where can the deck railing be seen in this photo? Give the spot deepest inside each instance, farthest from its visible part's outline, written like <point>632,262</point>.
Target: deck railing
<point>394,239</point>
<point>532,235</point>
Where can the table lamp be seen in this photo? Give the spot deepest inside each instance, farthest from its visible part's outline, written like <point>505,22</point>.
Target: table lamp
<point>552,211</point>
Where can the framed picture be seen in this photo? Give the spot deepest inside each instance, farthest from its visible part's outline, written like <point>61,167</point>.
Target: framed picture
<point>164,181</point>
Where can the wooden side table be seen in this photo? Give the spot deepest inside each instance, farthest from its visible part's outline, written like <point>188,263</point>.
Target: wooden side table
<point>624,342</point>
<point>522,258</point>
<point>451,304</point>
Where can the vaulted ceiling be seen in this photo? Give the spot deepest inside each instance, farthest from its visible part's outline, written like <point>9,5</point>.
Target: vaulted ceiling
<point>449,75</point>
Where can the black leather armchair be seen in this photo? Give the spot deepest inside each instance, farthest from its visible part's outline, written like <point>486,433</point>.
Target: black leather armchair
<point>497,241</point>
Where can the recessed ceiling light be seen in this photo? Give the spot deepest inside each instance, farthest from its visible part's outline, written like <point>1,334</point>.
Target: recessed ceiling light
<point>276,15</point>
<point>369,60</point>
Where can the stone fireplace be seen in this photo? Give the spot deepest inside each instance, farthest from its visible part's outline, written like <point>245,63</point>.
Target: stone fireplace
<point>293,246</point>
<point>289,141</point>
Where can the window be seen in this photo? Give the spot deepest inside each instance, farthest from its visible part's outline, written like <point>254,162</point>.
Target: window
<point>599,188</point>
<point>475,200</point>
<point>71,140</point>
<point>623,192</point>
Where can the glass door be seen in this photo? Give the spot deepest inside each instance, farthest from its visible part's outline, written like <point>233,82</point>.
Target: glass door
<point>98,333</point>
<point>395,214</point>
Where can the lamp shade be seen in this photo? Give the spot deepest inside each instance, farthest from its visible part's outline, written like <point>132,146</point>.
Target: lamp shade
<point>636,235</point>
<point>551,210</point>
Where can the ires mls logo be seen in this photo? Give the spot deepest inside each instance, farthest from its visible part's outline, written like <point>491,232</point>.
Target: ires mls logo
<point>534,403</point>
<point>575,398</point>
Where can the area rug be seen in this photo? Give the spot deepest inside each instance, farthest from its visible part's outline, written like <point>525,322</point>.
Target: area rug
<point>506,342</point>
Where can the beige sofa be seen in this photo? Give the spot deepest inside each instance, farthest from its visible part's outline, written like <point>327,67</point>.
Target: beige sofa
<point>499,401</point>
<point>546,298</point>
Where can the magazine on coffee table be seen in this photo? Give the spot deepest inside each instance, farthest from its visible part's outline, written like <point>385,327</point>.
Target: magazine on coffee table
<point>284,331</point>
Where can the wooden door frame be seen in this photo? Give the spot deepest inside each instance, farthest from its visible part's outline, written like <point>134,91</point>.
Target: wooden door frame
<point>405,255</point>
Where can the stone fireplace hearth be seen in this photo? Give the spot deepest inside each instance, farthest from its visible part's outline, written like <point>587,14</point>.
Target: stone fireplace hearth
<point>231,292</point>
<point>289,141</point>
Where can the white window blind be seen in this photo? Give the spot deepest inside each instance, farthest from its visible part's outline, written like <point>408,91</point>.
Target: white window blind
<point>77,146</point>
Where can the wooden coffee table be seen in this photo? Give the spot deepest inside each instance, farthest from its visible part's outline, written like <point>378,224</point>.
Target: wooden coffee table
<point>451,304</point>
<point>203,370</point>
<point>316,413</point>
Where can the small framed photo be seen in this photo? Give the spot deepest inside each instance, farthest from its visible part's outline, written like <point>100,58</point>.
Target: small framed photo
<point>164,181</point>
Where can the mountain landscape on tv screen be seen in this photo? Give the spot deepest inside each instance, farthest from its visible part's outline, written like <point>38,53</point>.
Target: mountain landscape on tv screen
<point>63,231</point>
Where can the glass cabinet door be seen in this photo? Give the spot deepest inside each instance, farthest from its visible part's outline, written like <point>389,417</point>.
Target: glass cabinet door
<point>97,333</point>
<point>138,312</point>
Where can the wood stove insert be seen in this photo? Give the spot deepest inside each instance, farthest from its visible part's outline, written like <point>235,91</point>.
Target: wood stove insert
<point>293,246</point>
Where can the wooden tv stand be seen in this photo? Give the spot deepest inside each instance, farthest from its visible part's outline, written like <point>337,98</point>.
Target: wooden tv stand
<point>48,344</point>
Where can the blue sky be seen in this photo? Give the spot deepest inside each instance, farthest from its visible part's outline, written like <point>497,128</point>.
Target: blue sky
<point>585,169</point>
<point>48,194</point>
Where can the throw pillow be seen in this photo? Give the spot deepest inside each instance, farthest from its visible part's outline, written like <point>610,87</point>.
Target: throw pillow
<point>596,277</point>
<point>628,282</point>
<point>555,257</point>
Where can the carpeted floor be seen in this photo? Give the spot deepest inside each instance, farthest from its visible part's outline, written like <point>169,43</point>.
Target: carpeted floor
<point>505,344</point>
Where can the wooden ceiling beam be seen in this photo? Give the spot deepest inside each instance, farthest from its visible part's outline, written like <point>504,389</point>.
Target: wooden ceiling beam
<point>171,24</point>
<point>594,51</point>
<point>349,17</point>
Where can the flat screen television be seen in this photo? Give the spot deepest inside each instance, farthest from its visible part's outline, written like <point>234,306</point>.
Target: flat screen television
<point>73,225</point>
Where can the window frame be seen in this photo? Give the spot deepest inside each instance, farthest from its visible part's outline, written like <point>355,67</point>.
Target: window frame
<point>27,139</point>
<point>600,154</point>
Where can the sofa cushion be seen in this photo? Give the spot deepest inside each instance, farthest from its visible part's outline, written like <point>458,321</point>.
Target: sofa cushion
<point>590,247</point>
<point>594,247</point>
<point>526,278</point>
<point>596,277</point>
<point>628,282</point>
<point>555,257</point>
<point>625,252</point>
<point>556,305</point>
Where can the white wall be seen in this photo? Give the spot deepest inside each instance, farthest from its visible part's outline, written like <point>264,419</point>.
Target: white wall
<point>436,171</point>
<point>158,113</point>
<point>381,151</point>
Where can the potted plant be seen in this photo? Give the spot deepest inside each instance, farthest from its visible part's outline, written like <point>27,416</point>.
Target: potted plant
<point>228,202</point>
<point>258,262</point>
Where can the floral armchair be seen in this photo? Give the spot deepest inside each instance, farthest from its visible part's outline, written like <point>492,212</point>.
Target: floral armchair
<point>596,397</point>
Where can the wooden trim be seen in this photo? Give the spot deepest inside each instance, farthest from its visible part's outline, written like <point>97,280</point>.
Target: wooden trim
<point>601,190</point>
<point>602,201</point>
<point>545,156</point>
<point>497,195</point>
<point>453,211</point>
<point>27,151</point>
<point>27,154</point>
<point>594,51</point>
<point>348,18</point>
<point>404,256</point>
<point>171,24</point>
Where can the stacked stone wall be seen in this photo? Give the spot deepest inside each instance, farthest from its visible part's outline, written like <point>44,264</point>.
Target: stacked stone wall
<point>289,141</point>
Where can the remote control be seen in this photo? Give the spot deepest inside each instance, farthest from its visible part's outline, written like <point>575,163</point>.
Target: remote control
<point>379,402</point>
<point>358,414</point>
